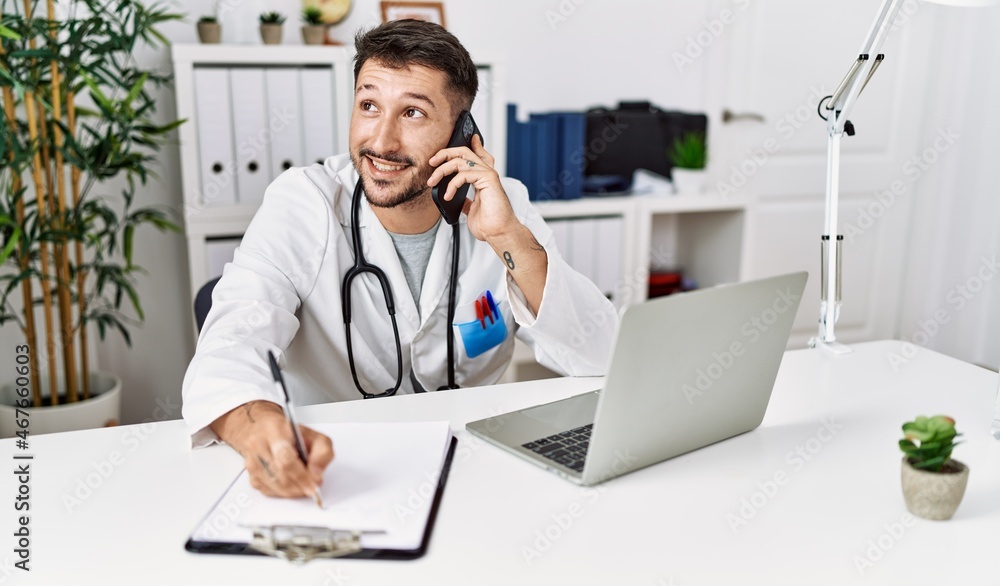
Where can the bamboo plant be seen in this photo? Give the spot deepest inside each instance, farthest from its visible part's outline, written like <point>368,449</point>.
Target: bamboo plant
<point>77,144</point>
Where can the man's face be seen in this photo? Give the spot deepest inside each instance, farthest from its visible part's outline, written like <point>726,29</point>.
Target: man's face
<point>401,117</point>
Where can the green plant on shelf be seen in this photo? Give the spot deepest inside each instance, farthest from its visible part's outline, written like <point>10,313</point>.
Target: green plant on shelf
<point>928,442</point>
<point>312,16</point>
<point>272,17</point>
<point>689,151</point>
<point>209,19</point>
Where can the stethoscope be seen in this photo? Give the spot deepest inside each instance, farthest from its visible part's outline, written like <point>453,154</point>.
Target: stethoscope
<point>362,266</point>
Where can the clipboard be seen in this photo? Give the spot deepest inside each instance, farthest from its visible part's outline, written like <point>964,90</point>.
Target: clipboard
<point>293,529</point>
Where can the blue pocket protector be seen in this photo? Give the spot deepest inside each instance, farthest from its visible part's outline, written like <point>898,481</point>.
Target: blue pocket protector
<point>488,330</point>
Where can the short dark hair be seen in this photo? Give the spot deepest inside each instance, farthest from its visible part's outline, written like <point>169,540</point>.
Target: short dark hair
<point>400,43</point>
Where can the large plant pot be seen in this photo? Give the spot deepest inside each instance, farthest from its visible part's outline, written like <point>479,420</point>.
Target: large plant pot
<point>210,33</point>
<point>270,34</point>
<point>934,495</point>
<point>101,409</point>
<point>688,181</point>
<point>313,34</point>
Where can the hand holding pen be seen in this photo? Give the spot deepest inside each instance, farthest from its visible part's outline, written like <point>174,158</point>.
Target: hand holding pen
<point>300,445</point>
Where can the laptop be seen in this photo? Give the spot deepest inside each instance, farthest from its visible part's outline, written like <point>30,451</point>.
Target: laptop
<point>687,370</point>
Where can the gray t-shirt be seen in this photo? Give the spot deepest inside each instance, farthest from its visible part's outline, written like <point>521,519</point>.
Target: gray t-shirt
<point>414,252</point>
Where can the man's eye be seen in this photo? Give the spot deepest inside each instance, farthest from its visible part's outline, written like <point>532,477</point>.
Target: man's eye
<point>368,106</point>
<point>414,113</point>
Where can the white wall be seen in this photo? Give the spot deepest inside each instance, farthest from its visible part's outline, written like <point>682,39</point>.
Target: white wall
<point>572,54</point>
<point>948,304</point>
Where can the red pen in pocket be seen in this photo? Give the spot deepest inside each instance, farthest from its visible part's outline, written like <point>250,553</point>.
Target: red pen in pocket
<point>479,314</point>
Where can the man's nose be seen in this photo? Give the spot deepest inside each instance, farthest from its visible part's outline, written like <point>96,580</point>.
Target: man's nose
<point>388,136</point>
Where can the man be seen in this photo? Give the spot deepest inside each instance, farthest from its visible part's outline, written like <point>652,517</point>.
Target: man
<point>283,290</point>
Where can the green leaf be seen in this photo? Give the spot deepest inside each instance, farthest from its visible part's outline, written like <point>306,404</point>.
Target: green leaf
<point>134,298</point>
<point>127,244</point>
<point>9,34</point>
<point>12,241</point>
<point>133,93</point>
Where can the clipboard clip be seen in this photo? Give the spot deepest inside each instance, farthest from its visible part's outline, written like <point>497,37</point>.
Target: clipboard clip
<point>299,544</point>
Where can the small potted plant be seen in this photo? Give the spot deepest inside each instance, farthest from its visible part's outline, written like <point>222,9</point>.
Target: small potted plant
<point>688,156</point>
<point>314,29</point>
<point>209,30</point>
<point>270,27</point>
<point>933,482</point>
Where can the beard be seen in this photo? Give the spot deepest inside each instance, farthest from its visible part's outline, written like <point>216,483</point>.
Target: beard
<point>406,190</point>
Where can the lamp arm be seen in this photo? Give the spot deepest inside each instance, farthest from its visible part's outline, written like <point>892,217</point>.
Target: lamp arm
<point>840,105</point>
<point>861,71</point>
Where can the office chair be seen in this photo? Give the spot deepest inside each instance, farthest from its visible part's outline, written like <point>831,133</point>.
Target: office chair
<point>203,302</point>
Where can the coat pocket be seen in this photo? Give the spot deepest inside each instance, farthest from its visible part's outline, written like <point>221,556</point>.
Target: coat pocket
<point>481,324</point>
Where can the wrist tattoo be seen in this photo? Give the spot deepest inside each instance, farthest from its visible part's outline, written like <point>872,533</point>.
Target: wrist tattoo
<point>508,259</point>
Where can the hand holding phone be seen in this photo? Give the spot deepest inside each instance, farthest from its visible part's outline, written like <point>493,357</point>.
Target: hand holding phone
<point>462,135</point>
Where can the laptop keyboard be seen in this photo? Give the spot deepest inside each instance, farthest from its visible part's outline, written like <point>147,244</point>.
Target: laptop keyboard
<point>568,448</point>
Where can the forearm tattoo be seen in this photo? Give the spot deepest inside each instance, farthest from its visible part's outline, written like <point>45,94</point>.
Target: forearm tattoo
<point>508,259</point>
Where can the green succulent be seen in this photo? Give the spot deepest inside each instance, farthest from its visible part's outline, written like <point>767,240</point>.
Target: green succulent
<point>689,151</point>
<point>208,19</point>
<point>272,17</point>
<point>312,15</point>
<point>928,441</point>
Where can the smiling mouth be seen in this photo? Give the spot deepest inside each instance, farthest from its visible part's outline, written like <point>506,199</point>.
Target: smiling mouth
<point>386,168</point>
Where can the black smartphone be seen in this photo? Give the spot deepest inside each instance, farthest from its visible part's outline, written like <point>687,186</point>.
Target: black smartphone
<point>465,128</point>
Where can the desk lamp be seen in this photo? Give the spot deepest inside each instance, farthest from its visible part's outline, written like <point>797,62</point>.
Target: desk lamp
<point>834,109</point>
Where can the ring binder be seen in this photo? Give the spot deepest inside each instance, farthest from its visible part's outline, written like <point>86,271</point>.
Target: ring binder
<point>301,544</point>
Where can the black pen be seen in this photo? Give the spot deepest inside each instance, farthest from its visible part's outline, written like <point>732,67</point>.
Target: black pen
<point>300,444</point>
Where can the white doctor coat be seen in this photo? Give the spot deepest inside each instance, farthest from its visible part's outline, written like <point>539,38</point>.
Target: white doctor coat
<point>282,292</point>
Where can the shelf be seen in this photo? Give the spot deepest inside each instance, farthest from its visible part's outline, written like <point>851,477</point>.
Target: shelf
<point>258,55</point>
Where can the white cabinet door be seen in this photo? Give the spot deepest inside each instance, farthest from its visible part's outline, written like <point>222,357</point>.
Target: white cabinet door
<point>783,57</point>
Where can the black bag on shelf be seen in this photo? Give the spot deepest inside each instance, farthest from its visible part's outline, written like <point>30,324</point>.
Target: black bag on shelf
<point>636,135</point>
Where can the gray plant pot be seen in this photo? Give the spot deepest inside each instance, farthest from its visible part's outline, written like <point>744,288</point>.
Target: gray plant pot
<point>934,495</point>
<point>270,34</point>
<point>210,33</point>
<point>313,34</point>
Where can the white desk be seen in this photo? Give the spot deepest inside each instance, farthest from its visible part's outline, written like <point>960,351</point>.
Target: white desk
<point>667,524</point>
